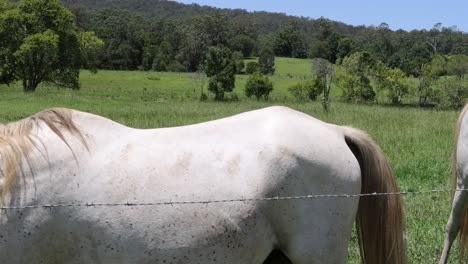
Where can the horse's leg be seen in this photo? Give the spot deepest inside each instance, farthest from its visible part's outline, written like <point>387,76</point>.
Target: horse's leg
<point>453,224</point>
<point>277,257</point>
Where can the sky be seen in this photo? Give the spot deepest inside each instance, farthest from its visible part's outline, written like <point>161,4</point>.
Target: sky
<point>399,14</point>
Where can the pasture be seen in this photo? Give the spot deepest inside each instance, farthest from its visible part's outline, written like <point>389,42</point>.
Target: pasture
<point>417,142</point>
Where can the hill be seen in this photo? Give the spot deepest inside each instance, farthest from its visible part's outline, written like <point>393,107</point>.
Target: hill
<point>266,22</point>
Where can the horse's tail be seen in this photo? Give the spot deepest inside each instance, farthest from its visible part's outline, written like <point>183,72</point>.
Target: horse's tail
<point>463,245</point>
<point>380,226</point>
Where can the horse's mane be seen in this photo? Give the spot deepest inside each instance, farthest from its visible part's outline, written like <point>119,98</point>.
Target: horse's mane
<point>17,139</point>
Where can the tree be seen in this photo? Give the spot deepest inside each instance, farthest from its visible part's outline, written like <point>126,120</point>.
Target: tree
<point>162,57</point>
<point>433,38</point>
<point>411,60</point>
<point>242,43</point>
<point>201,33</point>
<point>354,77</point>
<point>82,17</point>
<point>394,82</point>
<point>221,68</point>
<point>40,43</point>
<point>238,59</point>
<point>252,67</point>
<point>192,51</point>
<point>290,41</point>
<point>4,5</point>
<point>259,86</point>
<point>303,91</point>
<point>345,47</point>
<point>425,81</point>
<point>90,49</point>
<point>429,74</point>
<point>458,66</point>
<point>266,61</point>
<point>382,47</point>
<point>452,93</point>
<point>324,71</point>
<point>325,44</point>
<point>122,33</point>
<point>212,28</point>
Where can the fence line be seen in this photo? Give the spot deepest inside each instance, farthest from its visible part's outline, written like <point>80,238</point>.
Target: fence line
<point>245,200</point>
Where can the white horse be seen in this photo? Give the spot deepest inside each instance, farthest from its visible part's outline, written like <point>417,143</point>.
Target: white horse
<point>62,156</point>
<point>458,220</point>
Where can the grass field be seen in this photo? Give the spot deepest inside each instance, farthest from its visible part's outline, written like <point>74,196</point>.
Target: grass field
<point>417,142</point>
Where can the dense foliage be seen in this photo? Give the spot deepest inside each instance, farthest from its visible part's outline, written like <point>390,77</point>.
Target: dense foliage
<point>40,43</point>
<point>138,33</point>
<point>259,86</point>
<point>304,91</point>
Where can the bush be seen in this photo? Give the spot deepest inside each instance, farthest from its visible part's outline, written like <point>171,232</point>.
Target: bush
<point>176,66</point>
<point>231,97</point>
<point>266,61</point>
<point>258,85</point>
<point>394,82</point>
<point>452,93</point>
<point>239,61</point>
<point>353,77</point>
<point>308,90</point>
<point>203,97</point>
<point>252,67</point>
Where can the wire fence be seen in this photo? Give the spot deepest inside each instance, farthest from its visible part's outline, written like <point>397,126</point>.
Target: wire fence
<point>245,200</point>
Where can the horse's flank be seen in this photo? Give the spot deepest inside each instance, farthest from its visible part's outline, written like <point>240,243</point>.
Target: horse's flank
<point>18,138</point>
<point>464,222</point>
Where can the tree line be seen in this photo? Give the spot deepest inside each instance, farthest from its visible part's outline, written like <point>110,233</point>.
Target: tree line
<point>168,36</point>
<point>134,41</point>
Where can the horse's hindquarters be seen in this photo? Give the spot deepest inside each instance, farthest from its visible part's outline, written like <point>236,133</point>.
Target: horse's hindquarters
<point>315,230</point>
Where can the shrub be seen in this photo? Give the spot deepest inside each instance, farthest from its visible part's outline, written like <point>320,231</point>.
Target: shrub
<point>258,85</point>
<point>395,82</point>
<point>203,97</point>
<point>308,90</point>
<point>239,61</point>
<point>176,66</point>
<point>452,93</point>
<point>252,67</point>
<point>266,60</point>
<point>231,97</point>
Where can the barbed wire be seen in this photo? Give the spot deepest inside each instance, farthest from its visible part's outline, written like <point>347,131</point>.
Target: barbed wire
<point>245,200</point>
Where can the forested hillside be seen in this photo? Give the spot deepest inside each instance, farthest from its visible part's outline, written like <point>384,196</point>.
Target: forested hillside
<point>267,22</point>
<point>180,24</point>
<point>161,35</point>
<point>179,35</point>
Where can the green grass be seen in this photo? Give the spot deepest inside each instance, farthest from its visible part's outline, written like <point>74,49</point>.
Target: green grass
<point>417,142</point>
